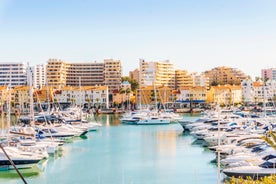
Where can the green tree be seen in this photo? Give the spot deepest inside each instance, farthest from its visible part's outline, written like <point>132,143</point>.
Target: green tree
<point>122,91</point>
<point>97,102</point>
<point>134,84</point>
<point>214,83</point>
<point>88,100</point>
<point>73,101</point>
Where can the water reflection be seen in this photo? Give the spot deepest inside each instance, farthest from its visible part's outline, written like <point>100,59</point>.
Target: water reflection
<point>29,172</point>
<point>159,139</point>
<point>108,119</point>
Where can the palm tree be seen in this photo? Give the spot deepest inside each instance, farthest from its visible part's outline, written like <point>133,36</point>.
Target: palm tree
<point>122,91</point>
<point>97,100</point>
<point>73,101</point>
<point>128,90</point>
<point>88,100</point>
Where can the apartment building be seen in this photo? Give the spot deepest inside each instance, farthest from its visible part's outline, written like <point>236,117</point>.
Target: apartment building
<point>200,80</point>
<point>56,72</point>
<point>225,94</point>
<point>196,94</point>
<point>21,98</point>
<point>112,74</point>
<point>61,73</point>
<point>39,76</point>
<point>134,74</point>
<point>255,92</point>
<point>3,94</point>
<point>183,79</point>
<point>158,73</point>
<point>85,74</point>
<point>225,75</point>
<point>89,95</point>
<point>269,73</point>
<point>13,74</point>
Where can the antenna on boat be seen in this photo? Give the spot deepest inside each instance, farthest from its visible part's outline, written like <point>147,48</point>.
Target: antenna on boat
<point>31,95</point>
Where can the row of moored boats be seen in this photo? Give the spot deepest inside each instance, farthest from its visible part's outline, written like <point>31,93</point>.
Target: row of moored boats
<point>29,142</point>
<point>239,140</point>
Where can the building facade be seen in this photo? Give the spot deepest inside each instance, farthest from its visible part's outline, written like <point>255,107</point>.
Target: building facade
<point>225,75</point>
<point>13,74</point>
<point>225,95</point>
<point>112,74</point>
<point>196,94</point>
<point>21,98</point>
<point>91,96</point>
<point>134,75</point>
<point>85,74</point>
<point>39,76</point>
<point>268,74</point>
<point>183,79</point>
<point>56,72</point>
<point>108,73</point>
<point>3,94</point>
<point>159,73</point>
<point>256,92</point>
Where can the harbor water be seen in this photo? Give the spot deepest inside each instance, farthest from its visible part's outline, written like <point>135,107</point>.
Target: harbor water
<point>126,154</point>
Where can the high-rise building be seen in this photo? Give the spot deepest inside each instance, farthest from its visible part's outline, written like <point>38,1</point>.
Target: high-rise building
<point>85,74</point>
<point>269,73</point>
<point>183,79</point>
<point>158,73</point>
<point>13,74</point>
<point>112,74</point>
<point>61,73</point>
<point>200,80</point>
<point>39,76</point>
<point>225,75</point>
<point>56,72</point>
<point>134,74</point>
<point>108,73</point>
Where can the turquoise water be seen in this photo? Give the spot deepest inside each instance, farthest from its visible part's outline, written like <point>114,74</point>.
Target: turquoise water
<point>127,154</point>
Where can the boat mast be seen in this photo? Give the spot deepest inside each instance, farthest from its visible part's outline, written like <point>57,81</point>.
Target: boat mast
<point>264,98</point>
<point>2,116</point>
<point>31,95</point>
<point>9,107</point>
<point>80,99</point>
<point>155,96</point>
<point>218,149</point>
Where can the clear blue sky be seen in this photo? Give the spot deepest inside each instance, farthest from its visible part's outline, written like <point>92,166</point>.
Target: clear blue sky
<point>196,35</point>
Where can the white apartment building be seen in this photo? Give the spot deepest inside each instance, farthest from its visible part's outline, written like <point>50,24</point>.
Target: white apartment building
<point>157,73</point>
<point>247,90</point>
<point>39,76</point>
<point>200,80</point>
<point>13,74</point>
<point>92,95</point>
<point>257,91</point>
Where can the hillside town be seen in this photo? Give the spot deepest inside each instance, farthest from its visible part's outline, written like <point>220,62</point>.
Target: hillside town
<point>101,86</point>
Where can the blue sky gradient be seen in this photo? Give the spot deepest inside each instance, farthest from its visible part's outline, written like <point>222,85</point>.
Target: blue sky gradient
<point>194,35</point>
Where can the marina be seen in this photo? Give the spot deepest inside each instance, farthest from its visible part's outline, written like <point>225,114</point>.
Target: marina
<point>121,153</point>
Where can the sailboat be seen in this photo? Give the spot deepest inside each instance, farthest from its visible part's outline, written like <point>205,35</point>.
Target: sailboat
<point>12,155</point>
<point>154,117</point>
